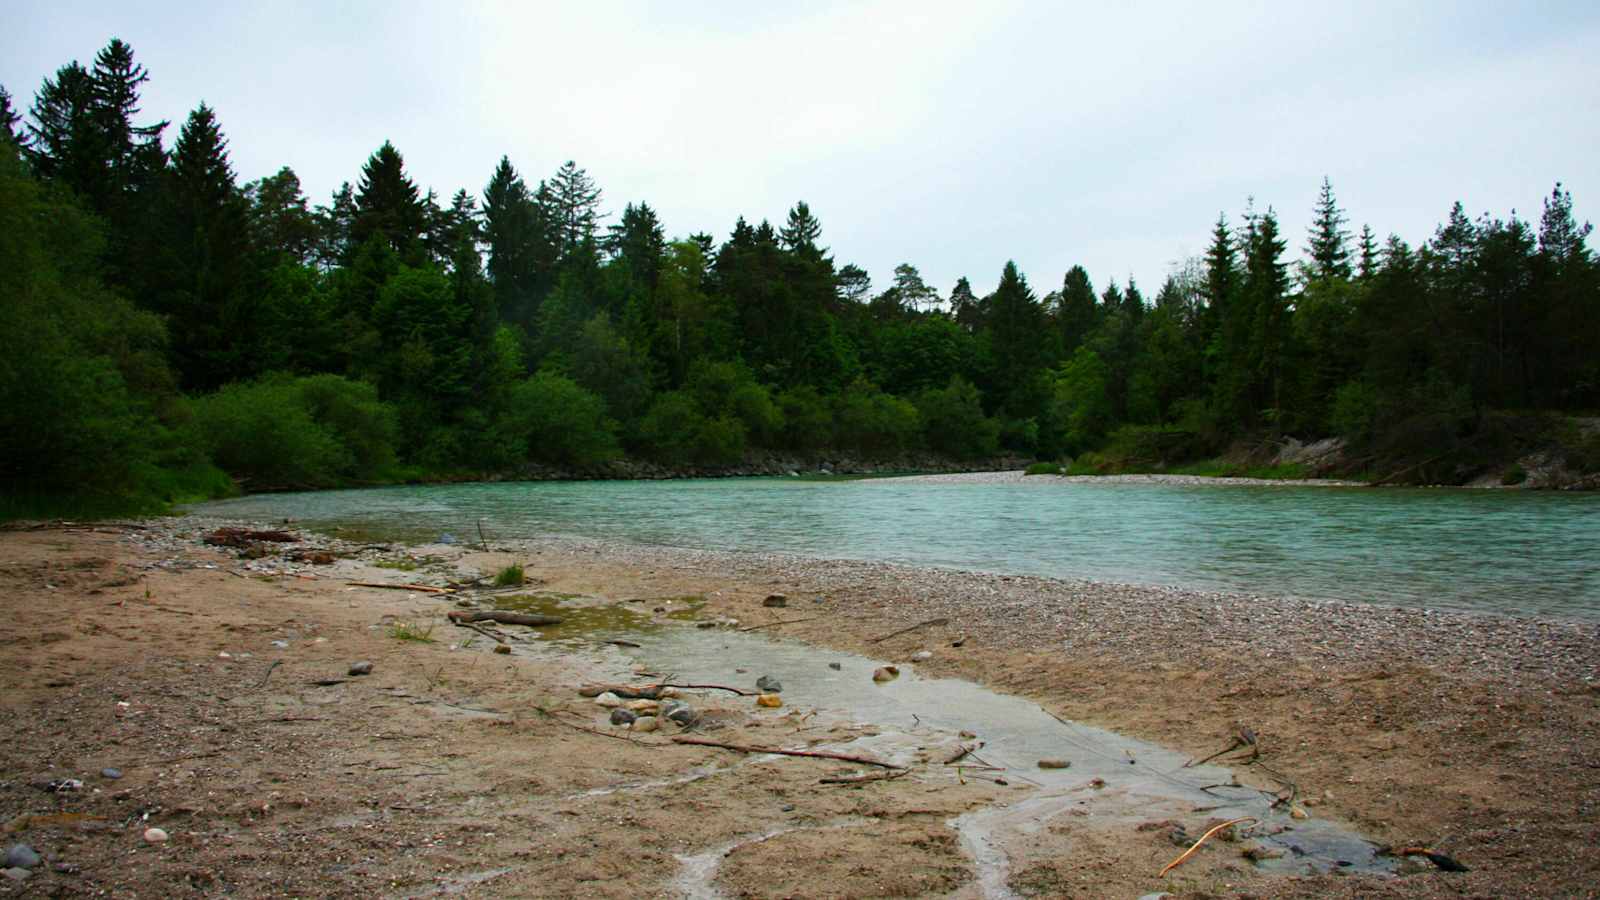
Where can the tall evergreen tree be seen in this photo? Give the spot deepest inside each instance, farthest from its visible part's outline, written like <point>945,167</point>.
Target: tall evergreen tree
<point>574,200</point>
<point>1076,314</point>
<point>388,205</point>
<point>638,242</point>
<point>61,143</point>
<point>1328,243</point>
<point>1369,254</point>
<point>801,233</point>
<point>510,229</point>
<point>1016,324</point>
<point>9,121</point>
<point>210,240</point>
<point>1221,283</point>
<point>965,305</point>
<point>285,229</point>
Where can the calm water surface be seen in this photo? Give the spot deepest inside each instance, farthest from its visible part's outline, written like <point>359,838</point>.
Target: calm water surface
<point>1501,551</point>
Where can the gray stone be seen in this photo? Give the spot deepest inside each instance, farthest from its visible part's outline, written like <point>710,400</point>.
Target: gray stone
<point>361,668</point>
<point>21,856</point>
<point>620,716</point>
<point>769,685</point>
<point>110,773</point>
<point>681,713</point>
<point>16,874</point>
<point>835,666</point>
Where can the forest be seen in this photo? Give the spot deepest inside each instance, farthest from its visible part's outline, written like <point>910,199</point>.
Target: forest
<point>170,332</point>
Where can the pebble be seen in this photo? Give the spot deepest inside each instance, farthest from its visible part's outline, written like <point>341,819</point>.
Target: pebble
<point>223,654</point>
<point>922,655</point>
<point>111,773</point>
<point>361,668</point>
<point>1054,763</point>
<point>620,716</point>
<point>766,684</point>
<point>503,649</point>
<point>21,856</point>
<point>775,601</point>
<point>608,699</point>
<point>645,723</point>
<point>16,874</point>
<point>644,707</point>
<point>770,701</point>
<point>681,713</point>
<point>1299,813</point>
<point>835,666</point>
<point>155,836</point>
<point>281,645</point>
<point>885,673</point>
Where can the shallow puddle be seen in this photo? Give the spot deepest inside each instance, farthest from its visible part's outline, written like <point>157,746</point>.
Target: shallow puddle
<point>1113,781</point>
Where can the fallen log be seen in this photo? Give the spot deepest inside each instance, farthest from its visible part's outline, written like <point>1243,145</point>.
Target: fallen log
<point>239,537</point>
<point>417,588</point>
<point>481,630</point>
<point>812,754</point>
<point>502,616</point>
<point>909,629</point>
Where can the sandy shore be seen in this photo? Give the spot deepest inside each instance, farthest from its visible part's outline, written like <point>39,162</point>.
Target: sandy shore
<point>453,769</point>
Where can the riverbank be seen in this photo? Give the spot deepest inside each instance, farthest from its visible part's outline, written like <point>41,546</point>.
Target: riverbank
<point>1019,477</point>
<point>453,767</point>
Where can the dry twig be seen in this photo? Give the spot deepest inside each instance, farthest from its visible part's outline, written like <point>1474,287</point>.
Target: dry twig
<point>1203,838</point>
<point>814,754</point>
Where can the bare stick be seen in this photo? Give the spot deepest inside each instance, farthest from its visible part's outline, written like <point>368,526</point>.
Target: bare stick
<point>481,630</point>
<point>780,622</point>
<point>482,542</point>
<point>878,640</point>
<point>956,757</point>
<point>865,777</point>
<point>504,618</point>
<point>275,663</point>
<point>814,754</point>
<point>712,687</point>
<point>1203,838</point>
<point>419,588</point>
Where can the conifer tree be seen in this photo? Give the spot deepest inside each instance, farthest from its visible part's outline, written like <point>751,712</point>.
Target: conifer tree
<point>965,305</point>
<point>1369,254</point>
<point>1329,243</point>
<point>1076,314</point>
<point>1221,282</point>
<point>1017,327</point>
<point>638,242</point>
<point>574,202</point>
<point>60,137</point>
<point>9,121</point>
<point>387,204</point>
<point>284,226</point>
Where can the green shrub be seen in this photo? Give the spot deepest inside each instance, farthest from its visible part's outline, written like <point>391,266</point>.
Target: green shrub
<point>670,429</point>
<point>807,419</point>
<point>1043,468</point>
<point>261,434</point>
<point>953,421</point>
<point>1514,474</point>
<point>559,422</point>
<point>874,423</point>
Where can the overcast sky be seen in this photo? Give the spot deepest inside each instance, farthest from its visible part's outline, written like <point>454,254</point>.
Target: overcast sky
<point>953,136</point>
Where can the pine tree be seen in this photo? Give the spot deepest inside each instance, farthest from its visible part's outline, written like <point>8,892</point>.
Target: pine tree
<point>1369,254</point>
<point>509,228</point>
<point>336,227</point>
<point>854,283</point>
<point>1267,288</point>
<point>801,233</point>
<point>1221,281</point>
<point>210,239</point>
<point>638,242</point>
<point>1017,328</point>
<point>1076,314</point>
<point>965,305</point>
<point>8,121</point>
<point>60,137</point>
<point>575,209</point>
<point>284,226</point>
<point>1328,244</point>
<point>388,204</point>
<point>117,79</point>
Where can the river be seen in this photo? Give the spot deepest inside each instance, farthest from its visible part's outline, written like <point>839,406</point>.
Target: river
<point>1508,552</point>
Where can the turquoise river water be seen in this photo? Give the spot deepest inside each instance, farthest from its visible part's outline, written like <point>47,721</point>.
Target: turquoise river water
<point>1516,552</point>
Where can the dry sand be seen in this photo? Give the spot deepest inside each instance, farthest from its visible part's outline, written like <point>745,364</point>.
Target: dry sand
<point>455,770</point>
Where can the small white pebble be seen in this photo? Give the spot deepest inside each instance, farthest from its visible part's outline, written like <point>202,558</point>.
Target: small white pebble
<point>154,836</point>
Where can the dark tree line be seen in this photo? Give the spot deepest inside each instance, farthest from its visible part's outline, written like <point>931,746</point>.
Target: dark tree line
<point>163,316</point>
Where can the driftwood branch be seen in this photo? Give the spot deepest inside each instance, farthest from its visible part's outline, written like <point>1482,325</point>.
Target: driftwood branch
<point>481,630</point>
<point>909,629</point>
<point>814,754</point>
<point>865,777</point>
<point>780,622</point>
<point>1203,838</point>
<point>418,588</point>
<point>503,617</point>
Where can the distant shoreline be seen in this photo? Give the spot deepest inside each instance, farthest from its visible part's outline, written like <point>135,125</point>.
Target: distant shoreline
<point>1018,477</point>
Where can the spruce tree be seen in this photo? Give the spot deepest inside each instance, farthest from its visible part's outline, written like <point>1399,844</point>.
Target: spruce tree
<point>61,145</point>
<point>965,305</point>
<point>1329,243</point>
<point>285,229</point>
<point>1221,282</point>
<point>388,204</point>
<point>801,233</point>
<point>1016,326</point>
<point>638,242</point>
<point>9,120</point>
<point>1369,254</point>
<point>1076,314</point>
<point>575,208</point>
<point>510,232</point>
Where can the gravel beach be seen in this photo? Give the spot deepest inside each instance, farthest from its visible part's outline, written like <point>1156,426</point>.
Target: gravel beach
<point>1474,736</point>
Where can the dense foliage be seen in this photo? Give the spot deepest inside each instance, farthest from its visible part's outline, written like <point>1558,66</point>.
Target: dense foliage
<point>159,317</point>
